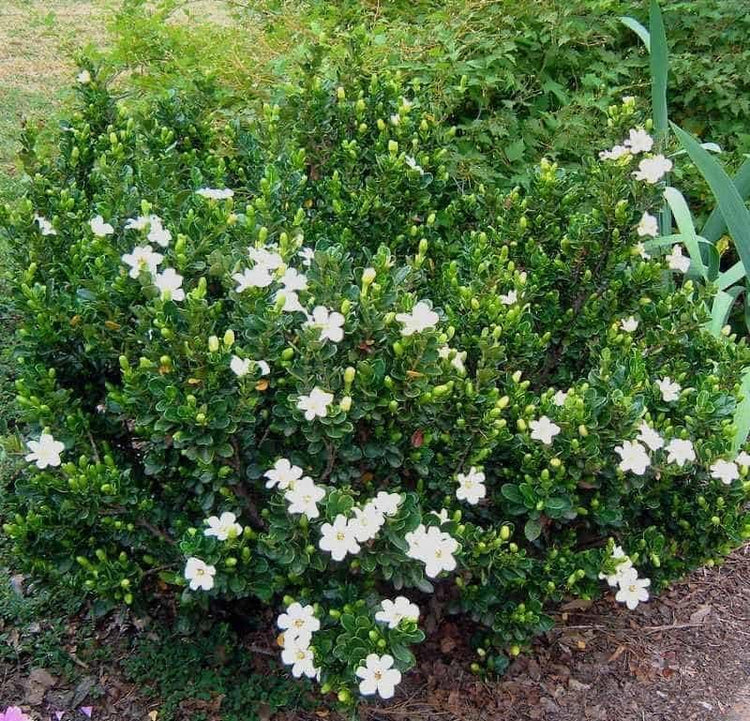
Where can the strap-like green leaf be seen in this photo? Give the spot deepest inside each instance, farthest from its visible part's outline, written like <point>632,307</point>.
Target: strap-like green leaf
<point>736,215</point>
<point>722,305</point>
<point>687,228</point>
<point>715,225</point>
<point>742,414</point>
<point>638,29</point>
<point>731,276</point>
<point>659,71</point>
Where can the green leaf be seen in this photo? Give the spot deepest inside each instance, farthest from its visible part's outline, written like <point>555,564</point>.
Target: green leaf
<point>736,215</point>
<point>533,529</point>
<point>715,225</point>
<point>685,223</point>
<point>742,414</point>
<point>731,276</point>
<point>511,493</point>
<point>722,305</point>
<point>659,62</point>
<point>638,29</point>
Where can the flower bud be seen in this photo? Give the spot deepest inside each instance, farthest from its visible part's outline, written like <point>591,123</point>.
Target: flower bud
<point>368,276</point>
<point>228,338</point>
<point>349,374</point>
<point>213,344</point>
<point>346,404</point>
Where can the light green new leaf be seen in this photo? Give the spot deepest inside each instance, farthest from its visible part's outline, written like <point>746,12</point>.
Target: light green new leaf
<point>715,225</point>
<point>730,203</point>
<point>638,29</point>
<point>731,276</point>
<point>742,414</point>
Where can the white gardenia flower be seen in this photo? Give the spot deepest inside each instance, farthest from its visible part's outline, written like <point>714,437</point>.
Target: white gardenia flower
<point>387,503</point>
<point>265,369</point>
<point>544,430</point>
<point>141,222</point>
<point>639,141</point>
<point>298,654</point>
<point>629,325</point>
<point>45,452</point>
<point>84,77</point>
<point>471,486</point>
<point>634,457</point>
<point>395,611</point>
<point>622,565</point>
<point>223,527</point>
<point>648,226</point>
<point>632,589</point>
<point>338,539</point>
<point>434,548</point>
<point>652,170</point>
<point>416,541</point>
<point>367,522</point>
<point>169,282</point>
<point>142,258</point>
<point>420,318</point>
<point>678,261</point>
<point>560,397</point>
<point>291,301</point>
<point>316,404</point>
<point>650,437</point>
<point>378,676</point>
<point>441,515</point>
<point>509,298</point>
<point>283,474</point>
<point>725,471</point>
<point>743,459</point>
<point>215,193</point>
<point>99,228</point>
<point>303,497</point>
<point>457,358</point>
<point>670,390</point>
<point>298,621</point>
<point>617,152</point>
<point>268,259</point>
<point>680,451</point>
<point>307,255</point>
<point>200,574</point>
<point>45,227</point>
<point>256,277</point>
<point>159,234</point>
<point>640,249</point>
<point>330,324</point>
<point>293,280</point>
<point>240,366</point>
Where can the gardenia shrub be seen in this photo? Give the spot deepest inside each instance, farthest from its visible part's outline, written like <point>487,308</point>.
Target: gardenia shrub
<point>289,358</point>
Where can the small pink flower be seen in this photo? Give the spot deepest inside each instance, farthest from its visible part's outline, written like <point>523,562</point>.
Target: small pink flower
<point>59,715</point>
<point>86,710</point>
<point>13,713</point>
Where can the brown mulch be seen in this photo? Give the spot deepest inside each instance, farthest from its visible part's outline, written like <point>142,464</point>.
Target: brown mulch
<point>684,656</point>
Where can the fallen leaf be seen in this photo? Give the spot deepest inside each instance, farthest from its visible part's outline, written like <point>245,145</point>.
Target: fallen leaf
<point>700,615</point>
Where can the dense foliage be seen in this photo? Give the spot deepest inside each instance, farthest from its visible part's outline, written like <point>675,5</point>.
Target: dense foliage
<point>390,383</point>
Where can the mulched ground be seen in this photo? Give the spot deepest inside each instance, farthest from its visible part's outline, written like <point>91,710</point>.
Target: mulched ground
<point>684,656</point>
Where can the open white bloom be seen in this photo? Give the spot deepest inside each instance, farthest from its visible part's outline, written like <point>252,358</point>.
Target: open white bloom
<point>544,430</point>
<point>680,451</point>
<point>434,548</point>
<point>560,397</point>
<point>640,249</point>
<point>169,282</point>
<point>632,589</point>
<point>99,228</point>
<point>159,234</point>
<point>84,77</point>
<point>622,564</point>
<point>441,515</point>
<point>743,459</point>
<point>298,654</point>
<point>629,325</point>
<point>240,366</point>
<point>725,471</point>
<point>416,541</point>
<point>268,259</point>
<point>293,280</point>
<point>316,404</point>
<point>223,527</point>
<point>45,227</point>
<point>298,621</point>
<point>141,222</point>
<point>650,437</point>
<point>291,301</point>
<point>634,457</point>
<point>678,261</point>
<point>338,539</point>
<point>639,141</point>
<point>215,193</point>
<point>283,474</point>
<point>413,165</point>
<point>44,452</point>
<point>200,574</point>
<point>142,258</point>
<point>471,486</point>
<point>367,522</point>
<point>303,497</point>
<point>617,152</point>
<point>420,318</point>
<point>263,366</point>
<point>395,611</point>
<point>329,323</point>
<point>256,277</point>
<point>307,255</point>
<point>670,390</point>
<point>378,676</point>
<point>648,226</point>
<point>387,503</point>
<point>652,170</point>
<point>509,298</point>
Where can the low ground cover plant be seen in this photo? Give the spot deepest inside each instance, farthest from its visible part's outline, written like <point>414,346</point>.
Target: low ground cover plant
<point>292,358</point>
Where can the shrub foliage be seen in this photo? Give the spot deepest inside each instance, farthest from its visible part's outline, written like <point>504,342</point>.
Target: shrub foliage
<point>482,346</point>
